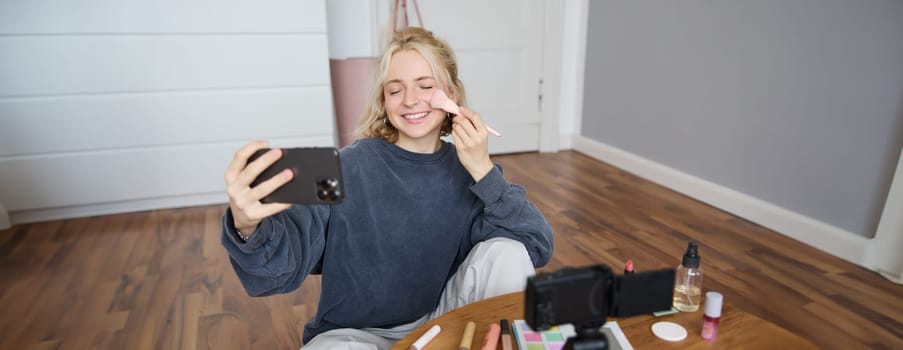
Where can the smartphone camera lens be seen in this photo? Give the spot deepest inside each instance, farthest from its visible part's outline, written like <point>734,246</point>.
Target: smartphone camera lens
<point>329,183</point>
<point>328,189</point>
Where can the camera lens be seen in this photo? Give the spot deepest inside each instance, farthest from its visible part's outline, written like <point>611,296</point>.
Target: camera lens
<point>328,183</point>
<point>334,194</point>
<point>323,195</point>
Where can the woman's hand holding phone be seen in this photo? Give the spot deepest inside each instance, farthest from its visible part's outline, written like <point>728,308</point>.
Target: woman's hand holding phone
<point>247,209</point>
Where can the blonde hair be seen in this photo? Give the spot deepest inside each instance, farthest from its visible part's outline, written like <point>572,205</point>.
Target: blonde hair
<point>441,59</point>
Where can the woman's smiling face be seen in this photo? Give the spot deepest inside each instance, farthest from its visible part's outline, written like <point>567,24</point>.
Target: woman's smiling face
<point>409,85</point>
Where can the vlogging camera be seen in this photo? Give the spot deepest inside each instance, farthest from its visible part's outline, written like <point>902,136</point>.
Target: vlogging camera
<point>586,296</point>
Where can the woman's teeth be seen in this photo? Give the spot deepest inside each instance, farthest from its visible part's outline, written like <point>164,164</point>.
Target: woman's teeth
<point>416,115</point>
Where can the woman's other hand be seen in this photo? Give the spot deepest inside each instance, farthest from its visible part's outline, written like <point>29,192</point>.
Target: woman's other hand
<point>247,210</point>
<point>472,142</point>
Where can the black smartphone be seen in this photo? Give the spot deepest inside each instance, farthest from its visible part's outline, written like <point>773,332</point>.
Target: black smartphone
<point>317,176</point>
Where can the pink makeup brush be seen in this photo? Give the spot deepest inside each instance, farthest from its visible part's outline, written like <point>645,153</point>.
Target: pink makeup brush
<point>441,101</point>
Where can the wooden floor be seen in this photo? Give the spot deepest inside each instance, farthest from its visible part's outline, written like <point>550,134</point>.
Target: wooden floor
<point>161,280</point>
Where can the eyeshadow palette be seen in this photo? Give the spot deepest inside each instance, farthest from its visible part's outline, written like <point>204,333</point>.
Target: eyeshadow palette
<point>556,337</point>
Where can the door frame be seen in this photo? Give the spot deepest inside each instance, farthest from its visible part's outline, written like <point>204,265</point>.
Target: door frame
<point>572,17</point>
<point>551,90</point>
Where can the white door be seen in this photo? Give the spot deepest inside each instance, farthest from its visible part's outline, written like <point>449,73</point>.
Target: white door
<point>499,49</point>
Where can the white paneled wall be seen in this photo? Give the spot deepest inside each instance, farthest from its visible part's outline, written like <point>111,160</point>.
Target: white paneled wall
<point>91,64</point>
<point>110,106</point>
<point>162,16</point>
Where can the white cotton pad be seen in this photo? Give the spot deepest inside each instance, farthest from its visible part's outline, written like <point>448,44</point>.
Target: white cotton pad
<point>669,331</point>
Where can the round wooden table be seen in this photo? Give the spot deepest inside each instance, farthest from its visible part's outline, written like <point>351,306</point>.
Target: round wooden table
<point>737,329</point>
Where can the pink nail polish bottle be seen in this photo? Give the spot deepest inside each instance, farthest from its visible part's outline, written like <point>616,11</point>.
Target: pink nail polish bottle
<point>712,315</point>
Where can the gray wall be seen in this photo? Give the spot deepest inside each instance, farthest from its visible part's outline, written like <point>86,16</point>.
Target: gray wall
<point>797,103</point>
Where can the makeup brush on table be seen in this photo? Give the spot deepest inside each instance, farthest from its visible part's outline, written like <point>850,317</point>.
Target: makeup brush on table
<point>440,100</point>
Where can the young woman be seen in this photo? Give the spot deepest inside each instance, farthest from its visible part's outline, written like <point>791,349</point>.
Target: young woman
<point>426,226</point>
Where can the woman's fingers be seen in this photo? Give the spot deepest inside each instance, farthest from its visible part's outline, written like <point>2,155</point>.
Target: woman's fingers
<point>263,210</point>
<point>265,188</point>
<point>463,126</point>
<point>256,167</point>
<point>240,159</point>
<point>471,139</point>
<point>247,210</point>
<point>475,119</point>
<point>456,137</point>
<point>271,209</point>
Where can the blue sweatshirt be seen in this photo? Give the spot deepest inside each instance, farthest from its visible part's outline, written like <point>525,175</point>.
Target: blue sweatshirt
<point>385,253</point>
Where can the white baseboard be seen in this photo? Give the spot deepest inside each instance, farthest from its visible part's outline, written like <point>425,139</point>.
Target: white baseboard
<point>884,253</point>
<point>566,141</point>
<point>26,216</point>
<point>828,238</point>
<point>896,278</point>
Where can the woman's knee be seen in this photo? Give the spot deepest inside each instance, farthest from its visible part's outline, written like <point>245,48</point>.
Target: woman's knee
<point>507,250</point>
<point>347,339</point>
<point>493,267</point>
<point>505,265</point>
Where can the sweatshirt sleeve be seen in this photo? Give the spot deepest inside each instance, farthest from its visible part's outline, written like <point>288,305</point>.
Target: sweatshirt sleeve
<point>507,213</point>
<point>285,249</point>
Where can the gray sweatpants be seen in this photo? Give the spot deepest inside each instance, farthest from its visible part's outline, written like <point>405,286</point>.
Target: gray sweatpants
<point>494,267</point>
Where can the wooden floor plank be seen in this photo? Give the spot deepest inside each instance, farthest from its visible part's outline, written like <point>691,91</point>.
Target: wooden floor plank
<point>161,279</point>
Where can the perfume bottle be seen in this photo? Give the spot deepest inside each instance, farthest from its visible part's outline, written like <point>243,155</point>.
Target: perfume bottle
<point>688,281</point>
